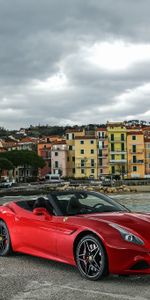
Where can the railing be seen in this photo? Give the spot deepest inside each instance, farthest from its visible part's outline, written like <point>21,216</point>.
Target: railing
<point>138,161</point>
<point>86,166</point>
<point>118,152</point>
<point>136,152</point>
<point>117,140</point>
<point>118,161</point>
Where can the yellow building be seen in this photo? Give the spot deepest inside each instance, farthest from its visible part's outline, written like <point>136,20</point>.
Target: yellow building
<point>117,149</point>
<point>86,157</point>
<point>136,153</point>
<point>71,134</point>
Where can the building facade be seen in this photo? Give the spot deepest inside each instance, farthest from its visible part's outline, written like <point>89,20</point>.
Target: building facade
<point>136,153</point>
<point>117,149</point>
<point>86,157</point>
<point>102,152</point>
<point>59,153</point>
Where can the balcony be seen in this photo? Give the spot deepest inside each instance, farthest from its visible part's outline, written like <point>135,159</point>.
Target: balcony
<point>117,140</point>
<point>86,166</point>
<point>118,161</point>
<point>102,156</point>
<point>138,161</point>
<point>136,152</point>
<point>118,152</point>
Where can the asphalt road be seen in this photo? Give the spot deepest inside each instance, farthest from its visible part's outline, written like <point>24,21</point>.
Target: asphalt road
<point>27,277</point>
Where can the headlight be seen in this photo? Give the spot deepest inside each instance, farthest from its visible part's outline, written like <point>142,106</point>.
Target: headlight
<point>128,236</point>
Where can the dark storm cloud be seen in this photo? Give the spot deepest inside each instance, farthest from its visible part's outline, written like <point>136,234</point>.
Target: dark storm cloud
<point>40,40</point>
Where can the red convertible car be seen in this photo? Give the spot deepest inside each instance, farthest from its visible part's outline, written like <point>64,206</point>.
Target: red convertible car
<point>85,229</point>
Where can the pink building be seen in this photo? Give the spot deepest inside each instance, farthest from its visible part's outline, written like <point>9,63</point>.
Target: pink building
<point>59,158</point>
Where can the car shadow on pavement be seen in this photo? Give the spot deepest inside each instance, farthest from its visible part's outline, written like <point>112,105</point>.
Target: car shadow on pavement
<point>44,264</point>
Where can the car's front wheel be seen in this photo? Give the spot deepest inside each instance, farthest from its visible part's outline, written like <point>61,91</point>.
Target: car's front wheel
<point>91,258</point>
<point>5,243</point>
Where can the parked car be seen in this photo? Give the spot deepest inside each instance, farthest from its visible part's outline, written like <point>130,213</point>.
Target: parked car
<point>53,178</point>
<point>85,229</point>
<point>6,184</point>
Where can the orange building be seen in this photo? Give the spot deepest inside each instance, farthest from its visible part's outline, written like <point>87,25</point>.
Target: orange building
<point>136,153</point>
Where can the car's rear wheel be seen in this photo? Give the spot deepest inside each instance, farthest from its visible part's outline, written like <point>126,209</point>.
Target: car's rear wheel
<point>5,243</point>
<point>91,258</point>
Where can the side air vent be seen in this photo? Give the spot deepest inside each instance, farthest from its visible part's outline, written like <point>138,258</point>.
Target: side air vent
<point>140,265</point>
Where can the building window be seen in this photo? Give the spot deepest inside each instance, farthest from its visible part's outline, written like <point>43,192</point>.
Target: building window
<point>134,158</point>
<point>101,171</point>
<point>67,158</point>
<point>123,170</point>
<point>70,147</point>
<point>73,158</point>
<point>133,137</point>
<point>113,169</point>
<point>92,151</point>
<point>134,148</point>
<point>113,156</point>
<point>100,161</point>
<point>112,147</point>
<point>82,151</point>
<point>122,136</point>
<point>81,142</point>
<point>67,136</point>
<point>134,168</point>
<point>112,137</point>
<point>82,163</point>
<point>92,162</point>
<point>73,136</point>
<point>122,156</point>
<point>82,171</point>
<point>56,153</point>
<point>73,170</point>
<point>100,153</point>
<point>92,171</point>
<point>122,147</point>
<point>56,164</point>
<point>92,142</point>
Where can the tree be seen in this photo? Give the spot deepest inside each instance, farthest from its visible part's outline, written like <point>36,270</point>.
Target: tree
<point>5,164</point>
<point>24,158</point>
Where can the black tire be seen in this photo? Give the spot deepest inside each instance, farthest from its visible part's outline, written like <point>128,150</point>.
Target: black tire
<point>5,243</point>
<point>91,258</point>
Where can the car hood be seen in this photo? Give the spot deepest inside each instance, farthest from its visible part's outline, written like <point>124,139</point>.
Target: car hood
<point>137,222</point>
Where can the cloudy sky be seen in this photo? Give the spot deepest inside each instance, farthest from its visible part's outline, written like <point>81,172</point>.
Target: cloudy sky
<point>74,61</point>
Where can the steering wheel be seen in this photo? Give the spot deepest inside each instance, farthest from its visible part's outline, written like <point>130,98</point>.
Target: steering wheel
<point>98,204</point>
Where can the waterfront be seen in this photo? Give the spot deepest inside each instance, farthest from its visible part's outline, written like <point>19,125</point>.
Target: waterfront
<point>134,201</point>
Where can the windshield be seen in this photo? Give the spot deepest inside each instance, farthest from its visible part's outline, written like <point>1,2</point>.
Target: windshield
<point>74,203</point>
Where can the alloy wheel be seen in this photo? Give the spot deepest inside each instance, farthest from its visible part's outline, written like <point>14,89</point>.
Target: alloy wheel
<point>91,258</point>
<point>4,239</point>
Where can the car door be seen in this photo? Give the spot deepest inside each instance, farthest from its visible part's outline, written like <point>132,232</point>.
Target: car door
<point>35,233</point>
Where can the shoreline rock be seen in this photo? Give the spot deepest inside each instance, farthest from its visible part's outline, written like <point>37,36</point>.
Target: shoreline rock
<point>32,190</point>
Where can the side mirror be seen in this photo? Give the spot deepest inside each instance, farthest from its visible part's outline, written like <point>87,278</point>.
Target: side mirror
<point>41,211</point>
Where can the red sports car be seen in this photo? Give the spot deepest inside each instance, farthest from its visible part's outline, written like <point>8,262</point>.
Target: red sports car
<point>85,229</point>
